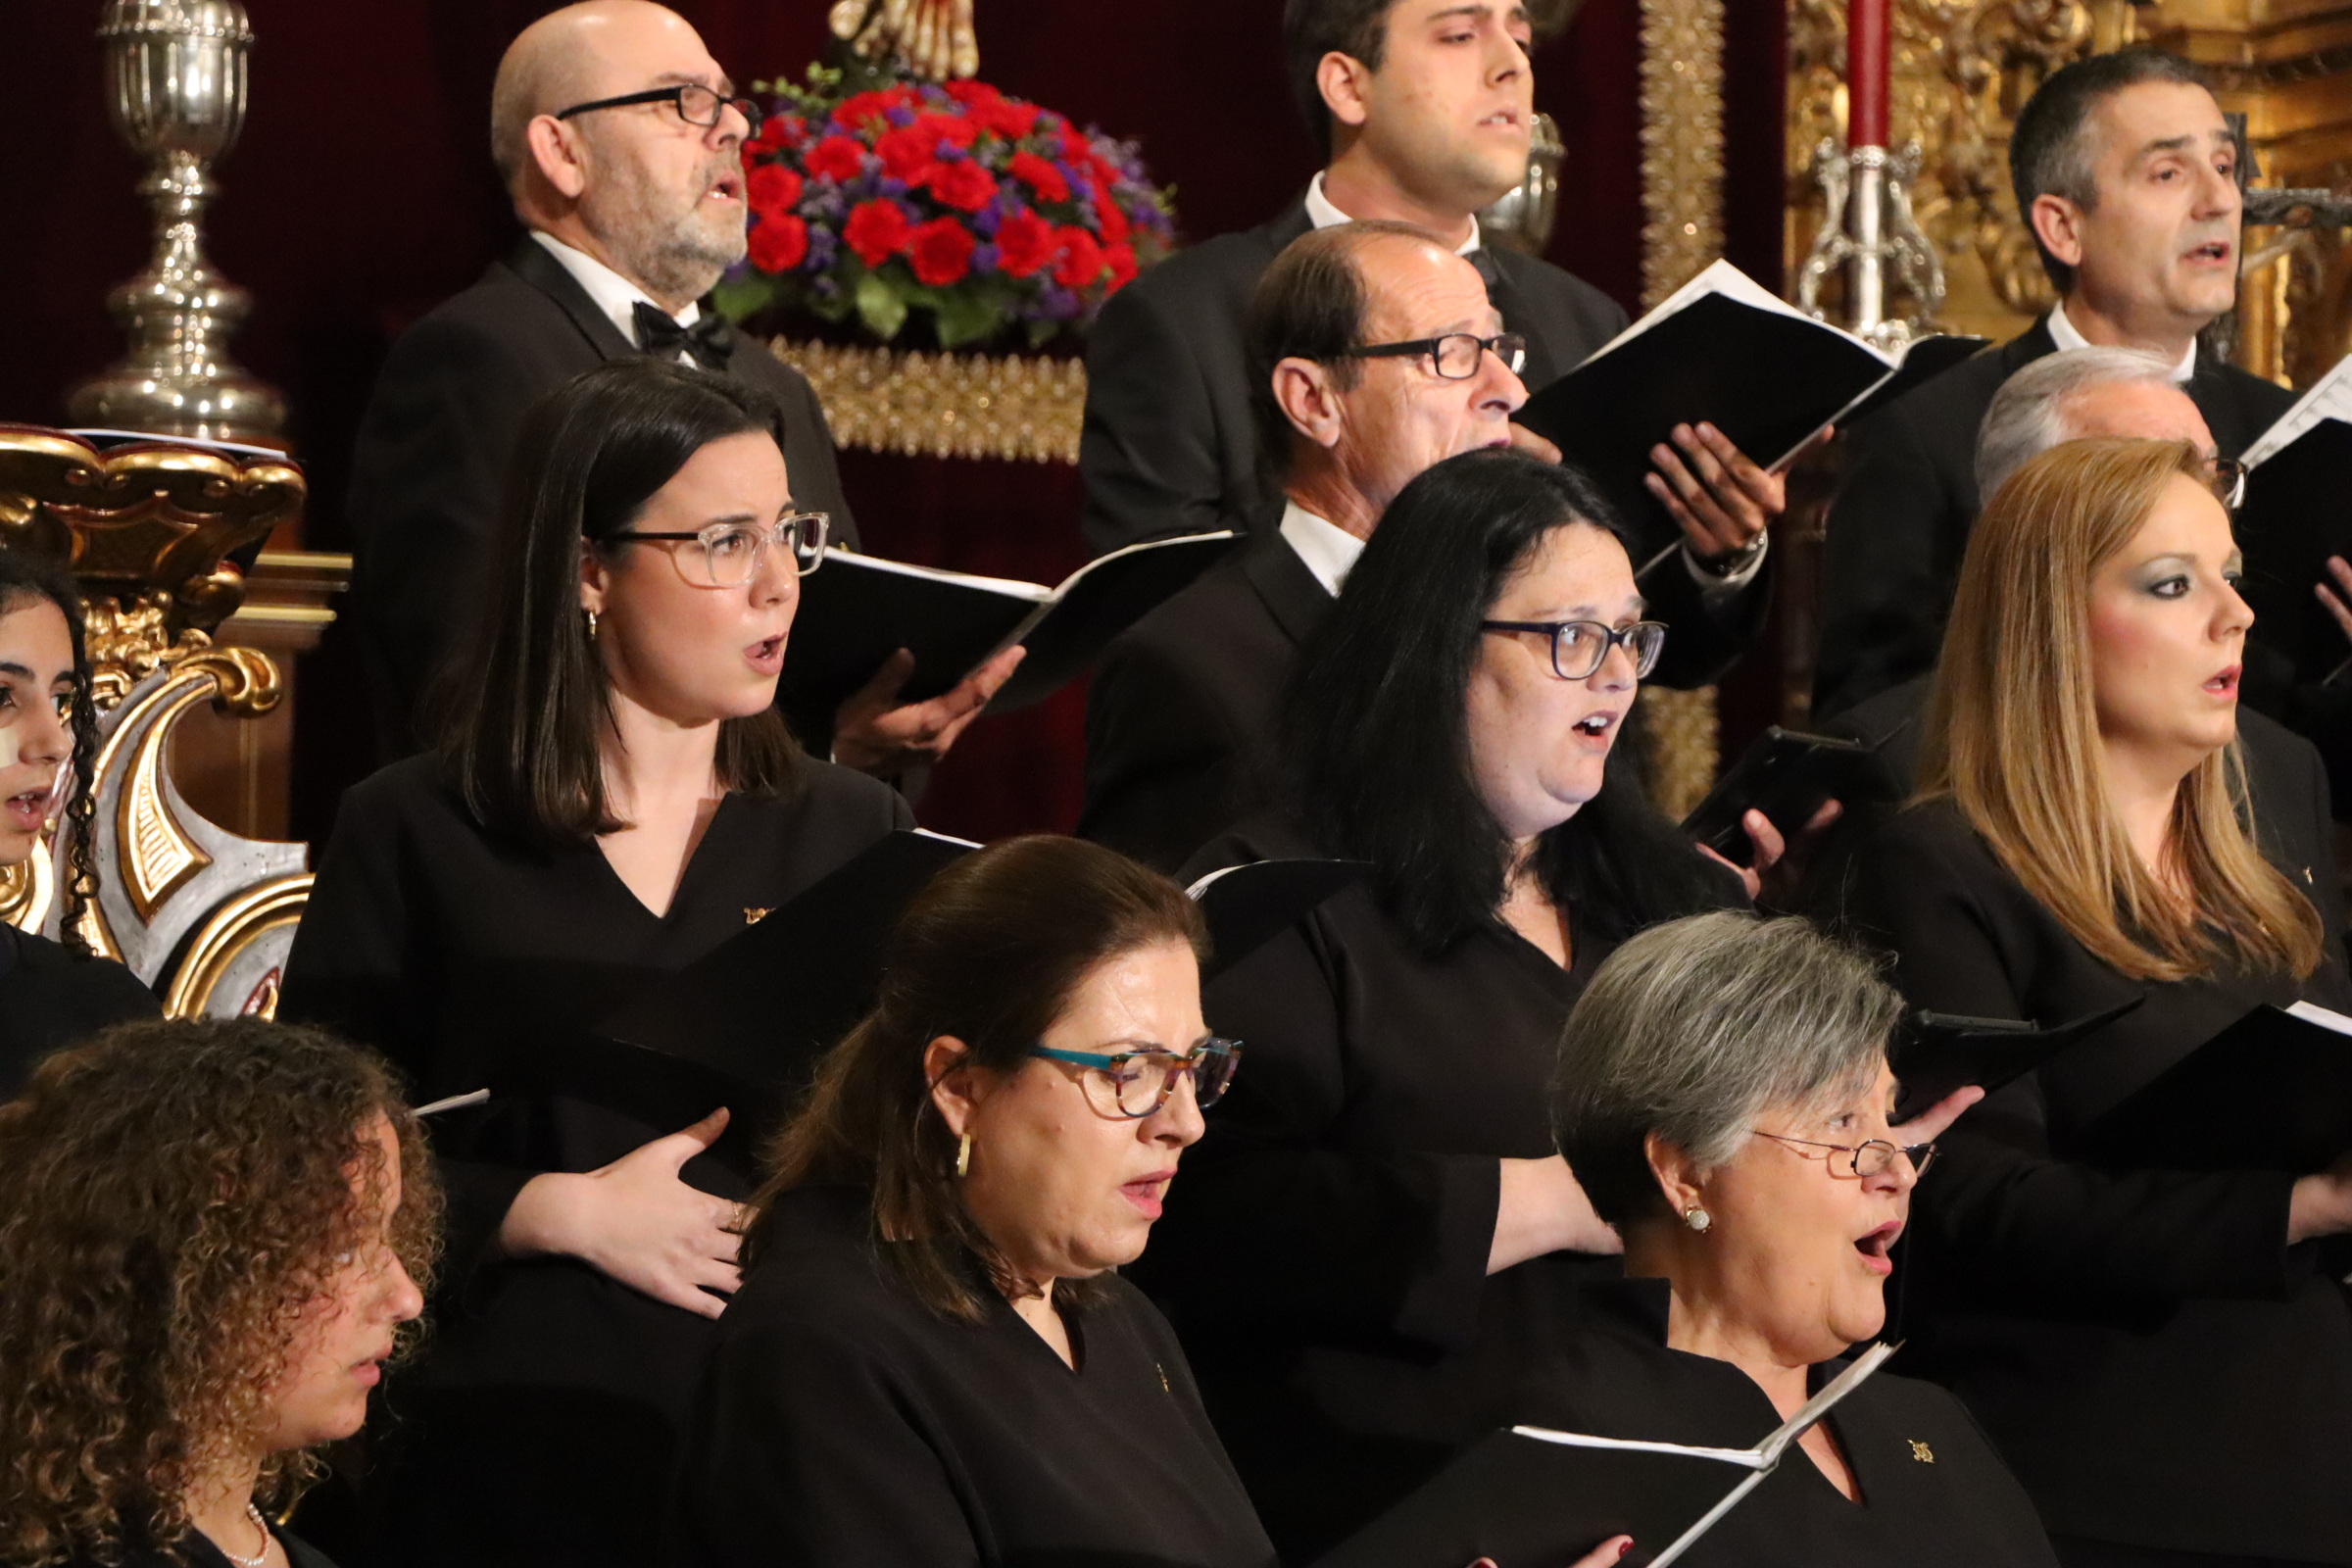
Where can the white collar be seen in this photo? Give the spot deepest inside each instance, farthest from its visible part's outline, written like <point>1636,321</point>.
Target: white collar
<point>614,294</point>
<point>2064,333</point>
<point>1321,213</point>
<point>1329,549</point>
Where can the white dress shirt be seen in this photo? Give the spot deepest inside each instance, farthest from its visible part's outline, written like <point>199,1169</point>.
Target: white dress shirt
<point>1712,588</point>
<point>1329,549</point>
<point>614,294</point>
<point>2067,335</point>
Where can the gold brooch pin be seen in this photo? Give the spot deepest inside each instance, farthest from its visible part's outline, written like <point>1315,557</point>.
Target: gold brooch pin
<point>1164,1377</point>
<point>1921,1451</point>
<point>752,916</point>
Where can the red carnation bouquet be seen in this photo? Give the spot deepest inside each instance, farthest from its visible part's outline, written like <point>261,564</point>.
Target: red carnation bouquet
<point>989,213</point>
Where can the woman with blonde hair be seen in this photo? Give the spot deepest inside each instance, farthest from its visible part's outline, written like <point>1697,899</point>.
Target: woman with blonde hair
<point>2162,1354</point>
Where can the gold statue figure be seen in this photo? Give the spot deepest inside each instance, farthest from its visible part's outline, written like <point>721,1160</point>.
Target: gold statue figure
<point>931,38</point>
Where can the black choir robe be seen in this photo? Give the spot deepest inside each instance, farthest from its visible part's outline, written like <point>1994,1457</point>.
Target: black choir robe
<point>198,1551</point>
<point>1958,1506</point>
<point>2159,1367</point>
<point>49,997</point>
<point>844,1422</point>
<point>1324,1253</point>
<point>540,1423</point>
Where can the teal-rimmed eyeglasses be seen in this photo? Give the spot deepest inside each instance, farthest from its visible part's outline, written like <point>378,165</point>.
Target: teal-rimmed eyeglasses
<point>1135,1083</point>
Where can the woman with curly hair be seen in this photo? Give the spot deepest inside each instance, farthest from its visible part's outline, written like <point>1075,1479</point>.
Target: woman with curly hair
<point>50,992</point>
<point>209,1237</point>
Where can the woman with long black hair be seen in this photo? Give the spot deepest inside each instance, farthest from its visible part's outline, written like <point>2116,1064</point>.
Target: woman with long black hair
<point>1375,1236</point>
<point>616,796</point>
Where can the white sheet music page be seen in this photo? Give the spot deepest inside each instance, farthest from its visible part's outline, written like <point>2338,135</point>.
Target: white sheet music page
<point>2329,398</point>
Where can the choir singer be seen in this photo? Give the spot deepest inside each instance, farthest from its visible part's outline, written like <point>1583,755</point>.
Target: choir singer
<point>2160,1350</point>
<point>209,1237</point>
<point>616,797</point>
<point>1724,1099</point>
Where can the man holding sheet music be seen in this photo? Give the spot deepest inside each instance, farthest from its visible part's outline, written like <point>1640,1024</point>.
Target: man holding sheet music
<point>2128,174</point>
<point>619,140</point>
<point>1425,107</point>
<point>1180,715</point>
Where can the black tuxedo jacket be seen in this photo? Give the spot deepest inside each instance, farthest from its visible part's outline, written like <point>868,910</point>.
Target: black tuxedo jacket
<point>1900,522</point>
<point>1182,711</point>
<point>1168,445</point>
<point>432,454</point>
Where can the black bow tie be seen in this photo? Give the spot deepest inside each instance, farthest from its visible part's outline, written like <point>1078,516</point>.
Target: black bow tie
<point>660,336</point>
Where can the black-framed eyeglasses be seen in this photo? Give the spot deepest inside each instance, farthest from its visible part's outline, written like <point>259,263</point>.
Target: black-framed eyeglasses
<point>727,554</point>
<point>1579,648</point>
<point>1870,1157</point>
<point>2230,482</point>
<point>1455,356</point>
<point>696,104</point>
<point>1134,1084</point>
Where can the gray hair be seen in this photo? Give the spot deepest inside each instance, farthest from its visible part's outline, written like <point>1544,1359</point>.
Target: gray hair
<point>2028,416</point>
<point>1693,1030</point>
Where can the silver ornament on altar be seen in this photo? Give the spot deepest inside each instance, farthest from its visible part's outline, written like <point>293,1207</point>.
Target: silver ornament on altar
<point>175,75</point>
<point>1866,228</point>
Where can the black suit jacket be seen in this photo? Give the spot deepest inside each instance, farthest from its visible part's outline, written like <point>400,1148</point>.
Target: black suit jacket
<point>1182,712</point>
<point>2154,1360</point>
<point>431,460</point>
<point>1168,445</point>
<point>1900,522</point>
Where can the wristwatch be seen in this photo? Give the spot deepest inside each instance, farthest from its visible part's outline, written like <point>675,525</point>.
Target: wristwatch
<point>1733,562</point>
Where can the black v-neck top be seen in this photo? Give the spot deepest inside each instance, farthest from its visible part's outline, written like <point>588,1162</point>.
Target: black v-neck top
<point>540,1421</point>
<point>1324,1253</point>
<point>1952,1505</point>
<point>843,1422</point>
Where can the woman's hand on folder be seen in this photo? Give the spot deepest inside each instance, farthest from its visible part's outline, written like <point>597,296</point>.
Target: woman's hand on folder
<point>636,1221</point>
<point>1774,872</point>
<point>1930,1123</point>
<point>1604,1556</point>
<point>873,734</point>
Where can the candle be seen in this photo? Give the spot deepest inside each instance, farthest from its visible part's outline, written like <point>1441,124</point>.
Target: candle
<point>1866,71</point>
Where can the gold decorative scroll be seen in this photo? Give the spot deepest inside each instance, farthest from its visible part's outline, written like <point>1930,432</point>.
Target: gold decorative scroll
<point>1682,201</point>
<point>1015,408</point>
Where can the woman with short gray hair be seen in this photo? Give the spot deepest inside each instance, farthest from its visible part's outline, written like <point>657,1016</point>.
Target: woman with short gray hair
<point>1724,1099</point>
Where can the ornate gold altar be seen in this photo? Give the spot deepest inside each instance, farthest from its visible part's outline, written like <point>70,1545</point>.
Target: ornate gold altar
<point>1963,66</point>
<point>200,914</point>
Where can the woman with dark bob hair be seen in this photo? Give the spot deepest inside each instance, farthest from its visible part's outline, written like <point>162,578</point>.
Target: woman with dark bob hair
<point>210,1234</point>
<point>1724,1097</point>
<point>1380,1236</point>
<point>933,1358</point>
<point>51,992</point>
<point>616,797</point>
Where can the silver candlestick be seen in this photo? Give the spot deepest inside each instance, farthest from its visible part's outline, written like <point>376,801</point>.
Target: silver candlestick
<point>175,79</point>
<point>1866,228</point>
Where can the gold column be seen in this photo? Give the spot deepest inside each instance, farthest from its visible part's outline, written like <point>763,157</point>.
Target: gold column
<point>1682,199</point>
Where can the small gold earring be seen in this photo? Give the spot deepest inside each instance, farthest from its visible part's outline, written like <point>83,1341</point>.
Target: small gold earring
<point>963,1155</point>
<point>591,625</point>
<point>1697,1218</point>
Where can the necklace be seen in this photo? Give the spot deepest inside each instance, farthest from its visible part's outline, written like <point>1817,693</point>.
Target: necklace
<point>257,1558</point>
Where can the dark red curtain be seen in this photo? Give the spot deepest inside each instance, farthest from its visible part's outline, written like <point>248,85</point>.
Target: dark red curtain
<point>361,195</point>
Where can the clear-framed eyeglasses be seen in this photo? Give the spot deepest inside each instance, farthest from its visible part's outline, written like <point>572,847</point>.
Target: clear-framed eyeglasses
<point>726,554</point>
<point>1455,356</point>
<point>1579,648</point>
<point>696,104</point>
<point>1871,1157</point>
<point>1135,1082</point>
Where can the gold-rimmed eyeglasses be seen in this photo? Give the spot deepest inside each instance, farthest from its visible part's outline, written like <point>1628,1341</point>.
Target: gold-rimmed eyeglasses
<point>726,554</point>
<point>1870,1157</point>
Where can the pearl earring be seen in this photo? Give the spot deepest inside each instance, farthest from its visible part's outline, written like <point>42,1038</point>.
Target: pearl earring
<point>963,1155</point>
<point>1697,1218</point>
